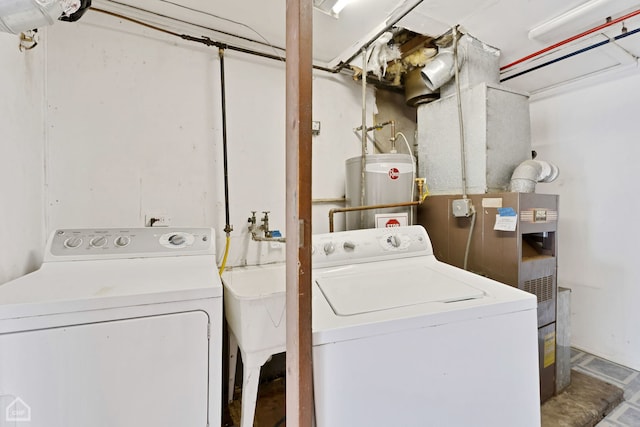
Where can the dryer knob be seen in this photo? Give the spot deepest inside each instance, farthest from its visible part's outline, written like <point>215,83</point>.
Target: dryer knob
<point>73,242</point>
<point>394,241</point>
<point>177,239</point>
<point>98,242</point>
<point>329,248</point>
<point>122,241</point>
<point>348,246</point>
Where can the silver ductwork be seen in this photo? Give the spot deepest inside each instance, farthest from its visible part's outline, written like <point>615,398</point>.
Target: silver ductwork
<point>528,173</point>
<point>17,16</point>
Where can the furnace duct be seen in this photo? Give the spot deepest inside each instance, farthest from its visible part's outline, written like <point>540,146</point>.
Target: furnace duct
<point>17,16</point>
<point>528,173</point>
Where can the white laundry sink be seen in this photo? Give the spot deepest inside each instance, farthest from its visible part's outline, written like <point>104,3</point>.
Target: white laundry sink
<point>254,300</point>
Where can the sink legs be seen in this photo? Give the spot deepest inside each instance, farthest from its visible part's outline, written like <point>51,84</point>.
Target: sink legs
<point>252,363</point>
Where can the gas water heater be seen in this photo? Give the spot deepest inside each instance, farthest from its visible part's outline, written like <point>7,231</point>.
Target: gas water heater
<point>387,179</point>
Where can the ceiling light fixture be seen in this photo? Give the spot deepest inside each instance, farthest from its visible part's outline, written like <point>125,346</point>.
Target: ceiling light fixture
<point>572,21</point>
<point>331,7</point>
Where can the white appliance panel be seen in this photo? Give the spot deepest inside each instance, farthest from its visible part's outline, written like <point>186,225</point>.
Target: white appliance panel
<point>455,375</point>
<point>375,288</point>
<point>149,371</point>
<point>401,339</point>
<point>119,327</point>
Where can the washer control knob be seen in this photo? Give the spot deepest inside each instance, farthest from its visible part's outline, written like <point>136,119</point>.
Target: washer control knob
<point>122,241</point>
<point>394,241</point>
<point>329,248</point>
<point>73,242</point>
<point>98,242</point>
<point>177,239</point>
<point>348,245</point>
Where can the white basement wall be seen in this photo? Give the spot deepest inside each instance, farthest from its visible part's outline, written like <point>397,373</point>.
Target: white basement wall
<point>592,135</point>
<point>21,148</point>
<point>134,128</point>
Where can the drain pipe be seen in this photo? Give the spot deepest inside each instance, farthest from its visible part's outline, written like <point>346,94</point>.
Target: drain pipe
<point>530,172</point>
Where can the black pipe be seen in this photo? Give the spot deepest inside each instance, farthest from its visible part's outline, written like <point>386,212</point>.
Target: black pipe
<point>182,21</point>
<point>227,228</point>
<point>207,41</point>
<point>569,55</point>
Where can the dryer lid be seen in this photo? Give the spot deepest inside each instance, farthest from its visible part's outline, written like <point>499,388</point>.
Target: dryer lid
<point>358,289</point>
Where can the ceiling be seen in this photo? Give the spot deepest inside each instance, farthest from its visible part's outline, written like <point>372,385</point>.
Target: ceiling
<point>505,24</point>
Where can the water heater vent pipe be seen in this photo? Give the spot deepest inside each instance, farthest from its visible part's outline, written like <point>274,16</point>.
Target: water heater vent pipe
<point>528,173</point>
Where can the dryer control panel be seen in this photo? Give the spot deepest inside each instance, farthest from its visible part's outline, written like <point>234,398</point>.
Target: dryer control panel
<point>109,243</point>
<point>349,247</point>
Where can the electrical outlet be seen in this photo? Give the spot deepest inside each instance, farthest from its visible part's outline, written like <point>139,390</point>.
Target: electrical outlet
<point>462,208</point>
<point>315,128</point>
<point>157,219</point>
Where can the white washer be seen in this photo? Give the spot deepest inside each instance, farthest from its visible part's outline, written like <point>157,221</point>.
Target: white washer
<point>401,339</point>
<point>119,327</point>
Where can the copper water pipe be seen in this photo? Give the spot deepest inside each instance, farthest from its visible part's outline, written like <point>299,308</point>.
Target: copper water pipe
<point>364,208</point>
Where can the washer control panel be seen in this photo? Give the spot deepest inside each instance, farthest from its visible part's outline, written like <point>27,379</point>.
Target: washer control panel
<point>66,244</point>
<point>367,245</point>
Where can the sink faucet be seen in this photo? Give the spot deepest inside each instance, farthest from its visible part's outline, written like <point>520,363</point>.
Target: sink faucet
<point>265,224</point>
<point>264,227</point>
<point>252,221</point>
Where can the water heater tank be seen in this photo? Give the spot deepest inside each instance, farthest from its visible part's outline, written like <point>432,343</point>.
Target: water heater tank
<point>388,179</point>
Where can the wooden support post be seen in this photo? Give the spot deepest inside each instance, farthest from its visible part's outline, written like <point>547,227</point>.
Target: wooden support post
<point>298,134</point>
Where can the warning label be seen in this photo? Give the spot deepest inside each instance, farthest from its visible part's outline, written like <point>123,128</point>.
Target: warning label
<point>549,349</point>
<point>392,223</point>
<point>389,220</point>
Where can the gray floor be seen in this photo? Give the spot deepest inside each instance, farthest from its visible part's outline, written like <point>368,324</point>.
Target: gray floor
<point>628,412</point>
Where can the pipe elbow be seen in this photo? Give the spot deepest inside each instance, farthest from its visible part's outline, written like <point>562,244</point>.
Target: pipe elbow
<point>528,173</point>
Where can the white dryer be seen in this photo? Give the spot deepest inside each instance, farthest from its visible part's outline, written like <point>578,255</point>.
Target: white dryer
<point>118,328</point>
<point>401,339</point>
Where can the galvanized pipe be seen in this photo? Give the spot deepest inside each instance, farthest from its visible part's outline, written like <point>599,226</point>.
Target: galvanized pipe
<point>363,160</point>
<point>365,208</point>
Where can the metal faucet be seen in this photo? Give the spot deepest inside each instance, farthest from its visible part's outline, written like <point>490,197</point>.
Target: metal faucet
<point>264,227</point>
<point>252,221</point>
<point>265,224</point>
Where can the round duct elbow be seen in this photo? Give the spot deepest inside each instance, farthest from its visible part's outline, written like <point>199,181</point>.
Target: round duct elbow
<point>529,173</point>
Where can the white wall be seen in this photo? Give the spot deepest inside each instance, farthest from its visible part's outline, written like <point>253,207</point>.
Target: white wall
<point>134,121</point>
<point>591,134</point>
<point>21,148</point>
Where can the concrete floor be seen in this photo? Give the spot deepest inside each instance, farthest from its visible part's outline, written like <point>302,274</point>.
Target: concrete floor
<point>601,394</point>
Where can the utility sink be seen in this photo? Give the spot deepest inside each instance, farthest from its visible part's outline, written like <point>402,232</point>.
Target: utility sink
<point>254,302</point>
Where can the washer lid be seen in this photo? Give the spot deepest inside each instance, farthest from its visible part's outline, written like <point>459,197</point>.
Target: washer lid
<point>358,289</point>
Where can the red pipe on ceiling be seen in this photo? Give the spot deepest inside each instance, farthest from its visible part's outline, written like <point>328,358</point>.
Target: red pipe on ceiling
<point>570,39</point>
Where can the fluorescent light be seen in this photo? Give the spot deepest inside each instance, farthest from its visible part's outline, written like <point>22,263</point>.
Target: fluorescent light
<point>340,4</point>
<point>572,21</point>
<point>331,7</point>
